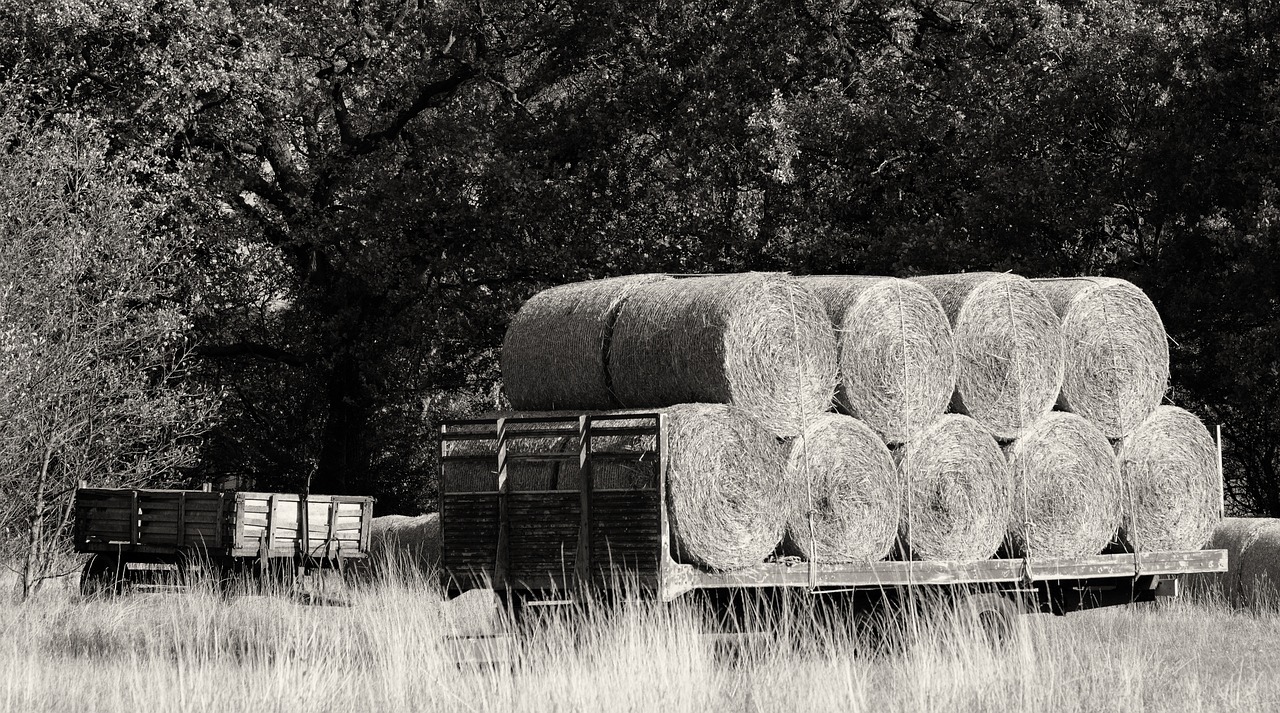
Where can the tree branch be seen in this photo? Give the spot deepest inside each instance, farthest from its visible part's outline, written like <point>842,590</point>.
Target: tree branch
<point>429,96</point>
<point>249,349</point>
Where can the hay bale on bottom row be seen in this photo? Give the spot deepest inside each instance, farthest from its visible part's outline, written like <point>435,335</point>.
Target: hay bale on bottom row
<point>728,504</point>
<point>1066,489</point>
<point>758,341</point>
<point>844,474</point>
<point>1115,350</point>
<point>555,354</point>
<point>955,503</point>
<point>1008,343</point>
<point>1172,493</point>
<point>897,362</point>
<point>404,544</point>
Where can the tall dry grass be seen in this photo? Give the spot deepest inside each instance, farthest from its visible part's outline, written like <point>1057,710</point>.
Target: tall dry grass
<point>391,650</point>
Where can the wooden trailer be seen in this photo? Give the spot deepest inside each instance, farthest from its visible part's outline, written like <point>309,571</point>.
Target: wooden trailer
<point>535,509</point>
<point>137,537</point>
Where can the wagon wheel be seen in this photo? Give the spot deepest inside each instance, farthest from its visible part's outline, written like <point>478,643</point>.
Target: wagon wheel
<point>994,614</point>
<point>103,575</point>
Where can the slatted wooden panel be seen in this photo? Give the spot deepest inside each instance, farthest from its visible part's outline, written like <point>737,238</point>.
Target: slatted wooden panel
<point>626,535</point>
<point>149,520</point>
<point>547,517</point>
<point>469,537</point>
<point>335,526</point>
<point>543,536</point>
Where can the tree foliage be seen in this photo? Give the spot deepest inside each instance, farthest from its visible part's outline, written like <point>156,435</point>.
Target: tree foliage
<point>90,338</point>
<point>374,186</point>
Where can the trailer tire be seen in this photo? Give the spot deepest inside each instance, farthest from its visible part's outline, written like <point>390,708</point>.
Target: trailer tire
<point>992,613</point>
<point>103,576</point>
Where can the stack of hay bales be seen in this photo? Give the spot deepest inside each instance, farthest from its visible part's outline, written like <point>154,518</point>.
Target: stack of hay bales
<point>944,443</point>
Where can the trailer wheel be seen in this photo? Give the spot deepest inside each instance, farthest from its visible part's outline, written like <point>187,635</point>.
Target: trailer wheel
<point>103,575</point>
<point>992,613</point>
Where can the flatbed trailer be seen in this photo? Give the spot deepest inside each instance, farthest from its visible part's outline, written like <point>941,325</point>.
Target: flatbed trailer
<point>135,536</point>
<point>557,508</point>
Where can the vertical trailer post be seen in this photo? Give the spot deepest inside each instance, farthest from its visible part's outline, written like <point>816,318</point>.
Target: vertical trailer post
<point>1222,483</point>
<point>586,484</point>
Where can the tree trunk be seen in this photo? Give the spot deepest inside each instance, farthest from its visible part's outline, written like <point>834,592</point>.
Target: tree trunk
<point>344,454</point>
<point>32,565</point>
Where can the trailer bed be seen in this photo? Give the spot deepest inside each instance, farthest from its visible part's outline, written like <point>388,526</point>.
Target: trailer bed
<point>541,506</point>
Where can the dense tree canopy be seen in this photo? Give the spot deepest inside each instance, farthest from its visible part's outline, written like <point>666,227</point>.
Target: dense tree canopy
<point>373,186</point>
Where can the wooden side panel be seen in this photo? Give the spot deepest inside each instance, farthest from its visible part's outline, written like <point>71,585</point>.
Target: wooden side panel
<point>597,520</point>
<point>543,537</point>
<point>626,537</point>
<point>335,526</point>
<point>148,520</point>
<point>469,538</point>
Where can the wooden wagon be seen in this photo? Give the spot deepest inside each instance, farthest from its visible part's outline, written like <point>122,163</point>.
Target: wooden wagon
<point>139,537</point>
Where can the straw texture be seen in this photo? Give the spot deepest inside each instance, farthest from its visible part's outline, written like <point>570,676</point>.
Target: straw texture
<point>1008,344</point>
<point>956,492</point>
<point>758,341</point>
<point>1066,489</point>
<point>405,540</point>
<point>1257,581</point>
<point>555,353</point>
<point>1235,535</point>
<point>846,476</point>
<point>896,356</point>
<point>728,507</point>
<point>1169,467</point>
<point>1116,352</point>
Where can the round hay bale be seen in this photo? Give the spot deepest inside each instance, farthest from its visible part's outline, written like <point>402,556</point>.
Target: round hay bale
<point>1066,489</point>
<point>727,507</point>
<point>1235,535</point>
<point>845,474</point>
<point>556,351</point>
<point>400,544</point>
<point>1008,344</point>
<point>1115,350</point>
<point>1169,468</point>
<point>896,357</point>
<point>955,503</point>
<point>758,341</point>
<point>1258,583</point>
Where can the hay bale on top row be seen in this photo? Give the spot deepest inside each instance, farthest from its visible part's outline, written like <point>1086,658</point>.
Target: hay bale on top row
<point>1169,467</point>
<point>556,351</point>
<point>728,506</point>
<point>1116,351</point>
<point>845,475</point>
<point>1066,489</point>
<point>758,341</point>
<point>955,503</point>
<point>897,362</point>
<point>1008,344</point>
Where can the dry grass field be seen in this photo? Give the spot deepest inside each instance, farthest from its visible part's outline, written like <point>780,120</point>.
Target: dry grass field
<point>389,651</point>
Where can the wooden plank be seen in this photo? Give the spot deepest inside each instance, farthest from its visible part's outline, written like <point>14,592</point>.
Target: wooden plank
<point>501,559</point>
<point>950,572</point>
<point>182,519</point>
<point>239,537</point>
<point>133,517</point>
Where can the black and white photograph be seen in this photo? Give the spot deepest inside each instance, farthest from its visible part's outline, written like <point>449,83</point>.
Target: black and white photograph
<point>400,356</point>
